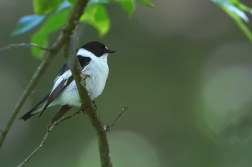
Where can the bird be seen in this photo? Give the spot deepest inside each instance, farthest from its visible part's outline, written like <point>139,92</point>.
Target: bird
<point>93,60</point>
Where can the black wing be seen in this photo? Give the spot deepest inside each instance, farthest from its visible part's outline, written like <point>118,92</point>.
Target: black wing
<point>65,82</point>
<point>62,71</point>
<point>83,62</point>
<point>52,95</point>
<point>29,113</point>
<point>55,93</point>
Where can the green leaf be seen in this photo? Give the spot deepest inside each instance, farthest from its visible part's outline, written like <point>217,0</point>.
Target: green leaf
<point>235,2</point>
<point>98,1</point>
<point>128,5</point>
<point>71,1</point>
<point>26,23</point>
<point>45,6</point>
<point>97,16</point>
<point>240,23</point>
<point>64,5</point>
<point>53,23</point>
<point>243,7</point>
<point>147,3</point>
<point>236,11</point>
<point>234,6</point>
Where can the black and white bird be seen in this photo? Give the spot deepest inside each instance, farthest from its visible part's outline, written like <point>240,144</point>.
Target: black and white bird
<point>93,60</point>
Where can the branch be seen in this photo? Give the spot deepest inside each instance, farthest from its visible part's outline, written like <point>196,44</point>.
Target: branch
<point>87,105</point>
<point>119,115</point>
<point>73,20</point>
<point>11,46</point>
<point>49,130</point>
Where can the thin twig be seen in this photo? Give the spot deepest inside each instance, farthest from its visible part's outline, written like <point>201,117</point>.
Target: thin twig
<point>23,86</point>
<point>49,129</point>
<point>73,20</point>
<point>119,115</point>
<point>11,46</point>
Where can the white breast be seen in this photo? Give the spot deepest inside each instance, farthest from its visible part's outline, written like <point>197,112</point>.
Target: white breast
<point>98,71</point>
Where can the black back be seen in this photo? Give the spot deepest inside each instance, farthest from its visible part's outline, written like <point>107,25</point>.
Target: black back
<point>83,62</point>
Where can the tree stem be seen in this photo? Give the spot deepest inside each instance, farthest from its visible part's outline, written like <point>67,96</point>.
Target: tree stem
<point>87,104</point>
<point>73,20</point>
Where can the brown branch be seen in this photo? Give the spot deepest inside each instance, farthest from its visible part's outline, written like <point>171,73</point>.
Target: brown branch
<point>73,20</point>
<point>119,115</point>
<point>11,46</point>
<point>87,105</point>
<point>49,130</point>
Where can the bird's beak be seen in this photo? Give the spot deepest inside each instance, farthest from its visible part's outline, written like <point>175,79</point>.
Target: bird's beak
<point>111,51</point>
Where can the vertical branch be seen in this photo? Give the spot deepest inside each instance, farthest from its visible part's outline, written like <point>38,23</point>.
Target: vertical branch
<point>73,20</point>
<point>87,104</point>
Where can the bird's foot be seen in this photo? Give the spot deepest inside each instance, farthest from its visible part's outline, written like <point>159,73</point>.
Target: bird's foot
<point>94,105</point>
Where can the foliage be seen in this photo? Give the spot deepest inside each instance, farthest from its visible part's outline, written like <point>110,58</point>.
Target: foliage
<point>236,10</point>
<point>147,3</point>
<point>52,14</point>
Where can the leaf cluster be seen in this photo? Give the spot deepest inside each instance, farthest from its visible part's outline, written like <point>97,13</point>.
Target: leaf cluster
<point>52,14</point>
<point>237,11</point>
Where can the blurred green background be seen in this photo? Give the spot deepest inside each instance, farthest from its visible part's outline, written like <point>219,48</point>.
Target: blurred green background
<point>184,70</point>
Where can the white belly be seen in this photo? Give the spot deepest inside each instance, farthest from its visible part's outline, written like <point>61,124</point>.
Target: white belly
<point>98,72</point>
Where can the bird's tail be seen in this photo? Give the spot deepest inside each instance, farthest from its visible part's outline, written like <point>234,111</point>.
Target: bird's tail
<point>36,109</point>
